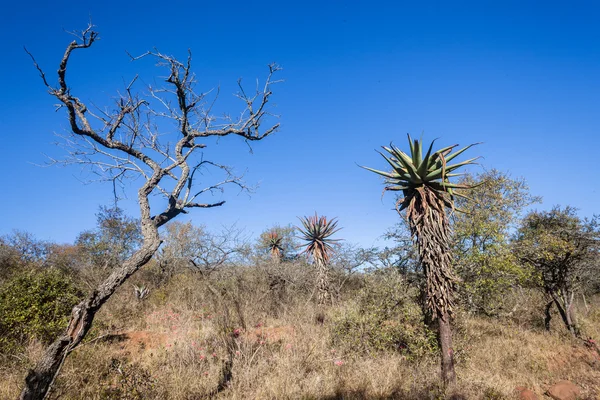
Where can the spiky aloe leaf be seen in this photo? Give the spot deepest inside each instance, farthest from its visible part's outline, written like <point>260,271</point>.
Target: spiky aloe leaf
<point>459,152</point>
<point>418,152</point>
<point>404,161</point>
<point>391,175</point>
<point>422,169</point>
<point>396,166</point>
<point>445,170</point>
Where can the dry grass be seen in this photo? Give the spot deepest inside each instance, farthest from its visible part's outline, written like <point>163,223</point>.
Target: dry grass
<point>175,344</point>
<point>503,356</point>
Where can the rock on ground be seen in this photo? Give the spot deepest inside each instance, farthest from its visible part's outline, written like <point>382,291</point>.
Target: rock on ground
<point>564,390</point>
<point>526,394</point>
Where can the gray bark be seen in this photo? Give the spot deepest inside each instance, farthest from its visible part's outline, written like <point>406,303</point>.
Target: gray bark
<point>445,338</point>
<point>564,304</point>
<point>323,283</point>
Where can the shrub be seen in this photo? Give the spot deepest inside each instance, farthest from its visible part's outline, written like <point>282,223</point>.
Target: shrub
<point>10,260</point>
<point>489,282</point>
<point>384,316</point>
<point>35,305</point>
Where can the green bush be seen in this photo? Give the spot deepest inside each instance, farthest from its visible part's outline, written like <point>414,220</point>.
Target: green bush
<point>384,316</point>
<point>35,304</point>
<point>489,281</point>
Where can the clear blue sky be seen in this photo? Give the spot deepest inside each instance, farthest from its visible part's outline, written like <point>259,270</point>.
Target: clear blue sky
<point>523,77</point>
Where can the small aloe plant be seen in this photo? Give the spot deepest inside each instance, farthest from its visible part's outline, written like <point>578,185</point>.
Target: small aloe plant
<point>275,245</point>
<point>141,292</point>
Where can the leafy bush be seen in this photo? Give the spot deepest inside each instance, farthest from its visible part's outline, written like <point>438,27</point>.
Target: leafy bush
<point>9,260</point>
<point>489,281</point>
<point>385,316</point>
<point>35,304</point>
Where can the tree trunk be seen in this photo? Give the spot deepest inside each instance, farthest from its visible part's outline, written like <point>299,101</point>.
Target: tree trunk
<point>562,312</point>
<point>41,377</point>
<point>571,315</point>
<point>323,284</point>
<point>548,315</point>
<point>565,311</point>
<point>445,338</point>
<point>587,309</point>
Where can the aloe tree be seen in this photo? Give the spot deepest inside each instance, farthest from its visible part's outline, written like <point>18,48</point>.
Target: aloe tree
<point>274,245</point>
<point>427,192</point>
<point>316,232</point>
<point>279,242</point>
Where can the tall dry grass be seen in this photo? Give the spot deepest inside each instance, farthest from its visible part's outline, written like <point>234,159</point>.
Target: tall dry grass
<point>257,326</point>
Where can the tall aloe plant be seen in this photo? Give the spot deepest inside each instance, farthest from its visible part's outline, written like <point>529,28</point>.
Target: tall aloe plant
<point>316,232</point>
<point>424,181</point>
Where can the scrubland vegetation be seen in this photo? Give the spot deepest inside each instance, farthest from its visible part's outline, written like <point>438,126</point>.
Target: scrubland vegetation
<point>216,316</point>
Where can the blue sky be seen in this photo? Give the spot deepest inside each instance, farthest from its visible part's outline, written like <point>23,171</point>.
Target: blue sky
<point>522,77</point>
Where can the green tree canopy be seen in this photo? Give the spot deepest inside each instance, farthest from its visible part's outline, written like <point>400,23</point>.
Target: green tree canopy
<point>481,239</point>
<point>115,238</point>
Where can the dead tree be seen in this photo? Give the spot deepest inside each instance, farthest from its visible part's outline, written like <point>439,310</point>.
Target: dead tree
<point>129,141</point>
